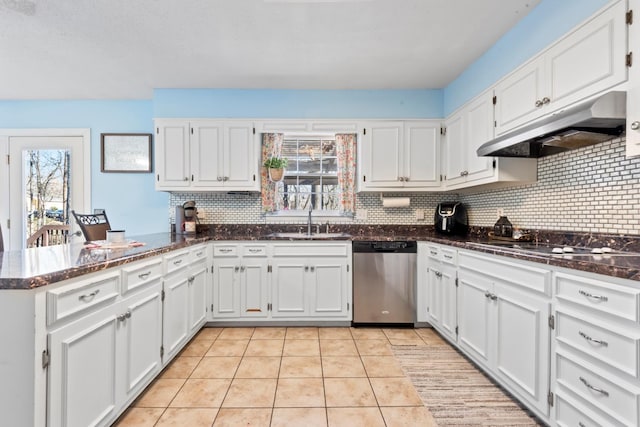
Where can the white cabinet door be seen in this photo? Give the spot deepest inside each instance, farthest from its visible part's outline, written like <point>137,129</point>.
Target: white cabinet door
<point>329,295</point>
<point>455,157</point>
<point>434,291</point>
<point>589,60</point>
<point>82,375</point>
<point>289,287</point>
<point>197,295</point>
<point>633,89</point>
<point>254,297</point>
<point>241,165</point>
<point>422,154</point>
<point>478,130</point>
<point>522,343</point>
<point>226,287</point>
<point>474,315</point>
<point>143,330</point>
<point>449,319</point>
<point>207,145</point>
<point>382,153</point>
<point>176,313</point>
<point>172,154</point>
<point>519,96</point>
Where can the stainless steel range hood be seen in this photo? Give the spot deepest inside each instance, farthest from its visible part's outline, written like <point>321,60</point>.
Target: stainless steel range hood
<point>588,123</point>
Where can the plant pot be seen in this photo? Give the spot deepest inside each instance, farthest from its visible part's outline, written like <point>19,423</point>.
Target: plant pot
<point>276,175</point>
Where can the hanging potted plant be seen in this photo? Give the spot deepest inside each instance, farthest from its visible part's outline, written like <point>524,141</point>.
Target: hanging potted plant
<point>275,167</point>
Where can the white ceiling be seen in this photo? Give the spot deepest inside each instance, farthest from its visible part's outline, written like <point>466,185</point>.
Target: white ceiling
<point>122,49</point>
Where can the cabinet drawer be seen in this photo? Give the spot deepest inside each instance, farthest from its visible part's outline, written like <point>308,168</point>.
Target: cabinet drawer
<point>302,250</point>
<point>176,261</point>
<point>198,253</point>
<point>570,413</point>
<point>81,295</point>
<point>604,297</point>
<point>138,275</point>
<point>254,251</point>
<point>615,398</point>
<point>516,273</point>
<point>225,250</point>
<point>614,345</point>
<point>446,255</point>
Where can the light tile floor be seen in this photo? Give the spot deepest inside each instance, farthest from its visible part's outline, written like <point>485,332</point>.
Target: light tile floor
<point>279,377</point>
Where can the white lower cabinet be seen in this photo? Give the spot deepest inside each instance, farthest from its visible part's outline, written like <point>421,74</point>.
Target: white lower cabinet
<point>292,280</point>
<point>185,298</point>
<point>240,281</point>
<point>596,350</point>
<point>503,323</point>
<point>441,277</point>
<point>311,280</point>
<point>100,362</point>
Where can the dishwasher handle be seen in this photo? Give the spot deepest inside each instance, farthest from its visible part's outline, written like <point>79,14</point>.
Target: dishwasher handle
<point>385,246</point>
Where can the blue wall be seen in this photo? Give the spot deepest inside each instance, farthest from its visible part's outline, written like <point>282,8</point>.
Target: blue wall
<point>269,103</point>
<point>550,20</point>
<point>130,199</point>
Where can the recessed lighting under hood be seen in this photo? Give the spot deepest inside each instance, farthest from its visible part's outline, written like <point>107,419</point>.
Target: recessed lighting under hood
<point>597,120</point>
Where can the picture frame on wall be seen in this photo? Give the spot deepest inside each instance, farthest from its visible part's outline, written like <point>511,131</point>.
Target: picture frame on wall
<point>125,152</point>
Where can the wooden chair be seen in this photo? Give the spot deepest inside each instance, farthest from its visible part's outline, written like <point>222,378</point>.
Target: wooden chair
<point>93,226</point>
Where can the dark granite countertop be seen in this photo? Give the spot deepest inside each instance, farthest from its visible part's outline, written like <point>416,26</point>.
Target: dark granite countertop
<point>33,268</point>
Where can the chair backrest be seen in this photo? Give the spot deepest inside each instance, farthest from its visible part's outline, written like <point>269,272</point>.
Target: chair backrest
<point>93,226</point>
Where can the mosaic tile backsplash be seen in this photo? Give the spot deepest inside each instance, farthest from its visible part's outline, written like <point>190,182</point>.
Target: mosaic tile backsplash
<point>593,189</point>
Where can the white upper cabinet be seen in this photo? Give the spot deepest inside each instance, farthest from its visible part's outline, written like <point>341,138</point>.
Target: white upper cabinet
<point>466,130</point>
<point>400,155</point>
<point>206,155</point>
<point>633,86</point>
<point>585,62</point>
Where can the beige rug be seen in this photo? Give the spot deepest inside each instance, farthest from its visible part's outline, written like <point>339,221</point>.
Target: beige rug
<point>454,390</point>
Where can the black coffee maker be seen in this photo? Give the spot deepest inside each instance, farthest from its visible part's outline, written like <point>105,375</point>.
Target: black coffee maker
<point>451,218</point>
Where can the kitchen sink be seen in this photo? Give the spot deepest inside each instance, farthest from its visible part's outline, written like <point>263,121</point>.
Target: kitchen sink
<point>313,236</point>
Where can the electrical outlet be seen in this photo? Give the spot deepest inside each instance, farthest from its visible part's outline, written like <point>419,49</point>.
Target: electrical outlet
<point>419,214</point>
<point>361,214</point>
<point>500,212</point>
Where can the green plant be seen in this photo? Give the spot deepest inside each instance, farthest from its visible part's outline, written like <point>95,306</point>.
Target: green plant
<point>275,163</point>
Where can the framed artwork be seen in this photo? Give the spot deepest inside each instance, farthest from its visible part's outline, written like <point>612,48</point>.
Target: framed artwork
<point>125,152</point>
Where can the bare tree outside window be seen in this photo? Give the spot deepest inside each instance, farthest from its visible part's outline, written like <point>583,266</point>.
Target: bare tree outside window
<point>47,187</point>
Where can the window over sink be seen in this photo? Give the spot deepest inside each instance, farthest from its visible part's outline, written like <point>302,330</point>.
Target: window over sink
<point>319,175</point>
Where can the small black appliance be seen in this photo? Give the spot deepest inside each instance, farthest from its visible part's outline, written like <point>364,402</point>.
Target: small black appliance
<point>451,218</point>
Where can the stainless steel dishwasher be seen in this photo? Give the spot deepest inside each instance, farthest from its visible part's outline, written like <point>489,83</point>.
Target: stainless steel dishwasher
<point>384,282</point>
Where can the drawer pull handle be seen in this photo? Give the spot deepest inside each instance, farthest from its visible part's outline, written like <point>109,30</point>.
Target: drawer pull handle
<point>89,296</point>
<point>144,275</point>
<point>588,338</point>
<point>598,297</point>
<point>177,262</point>
<point>599,390</point>
<point>255,251</point>
<point>448,256</point>
<point>438,274</point>
<point>225,250</point>
<point>253,310</point>
<point>581,424</point>
<point>199,253</point>
<point>434,253</point>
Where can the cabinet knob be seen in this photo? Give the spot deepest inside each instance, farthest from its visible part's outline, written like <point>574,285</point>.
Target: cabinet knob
<point>406,179</point>
<point>186,178</point>
<point>635,125</point>
<point>538,103</point>
<point>545,100</point>
<point>219,178</point>
<point>225,178</point>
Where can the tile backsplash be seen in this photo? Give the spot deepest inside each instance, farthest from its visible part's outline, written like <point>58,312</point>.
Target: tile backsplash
<point>592,189</point>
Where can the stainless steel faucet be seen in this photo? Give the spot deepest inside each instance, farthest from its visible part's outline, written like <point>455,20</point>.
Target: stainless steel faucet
<point>309,221</point>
